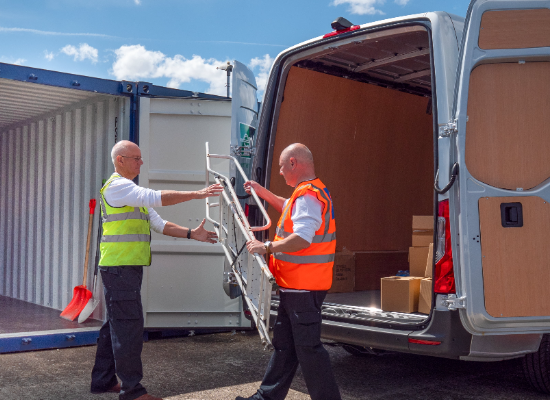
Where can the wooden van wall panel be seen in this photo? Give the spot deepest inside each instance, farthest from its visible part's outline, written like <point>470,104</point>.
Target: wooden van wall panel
<point>372,148</point>
<point>515,260</point>
<point>508,129</point>
<point>515,29</point>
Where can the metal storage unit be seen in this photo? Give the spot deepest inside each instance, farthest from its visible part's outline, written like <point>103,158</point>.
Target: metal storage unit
<point>56,131</point>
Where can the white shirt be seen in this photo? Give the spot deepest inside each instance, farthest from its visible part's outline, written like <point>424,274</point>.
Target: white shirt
<point>306,215</point>
<point>124,192</point>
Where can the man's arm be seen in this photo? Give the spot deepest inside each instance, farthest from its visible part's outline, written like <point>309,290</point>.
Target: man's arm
<point>273,200</point>
<point>199,233</point>
<point>171,197</point>
<point>288,245</point>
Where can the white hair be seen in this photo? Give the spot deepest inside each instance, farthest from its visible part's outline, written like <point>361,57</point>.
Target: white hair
<point>120,148</point>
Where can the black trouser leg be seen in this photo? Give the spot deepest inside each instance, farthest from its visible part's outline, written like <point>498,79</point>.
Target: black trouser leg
<point>297,339</point>
<point>283,363</point>
<point>122,287</point>
<point>103,373</point>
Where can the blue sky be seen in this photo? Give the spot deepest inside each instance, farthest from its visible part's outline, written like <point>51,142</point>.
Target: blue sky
<point>177,43</point>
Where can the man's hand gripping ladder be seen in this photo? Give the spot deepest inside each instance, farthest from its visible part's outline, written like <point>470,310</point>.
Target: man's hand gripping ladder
<point>250,270</point>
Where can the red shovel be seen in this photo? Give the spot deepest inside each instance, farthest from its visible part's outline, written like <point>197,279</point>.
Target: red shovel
<point>81,295</point>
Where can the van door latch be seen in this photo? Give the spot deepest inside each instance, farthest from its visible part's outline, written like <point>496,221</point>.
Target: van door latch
<point>452,302</point>
<point>448,129</point>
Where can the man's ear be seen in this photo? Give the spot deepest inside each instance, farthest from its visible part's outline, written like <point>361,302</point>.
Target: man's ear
<point>293,162</point>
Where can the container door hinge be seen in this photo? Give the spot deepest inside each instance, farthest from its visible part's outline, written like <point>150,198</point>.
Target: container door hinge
<point>448,129</point>
<point>452,302</point>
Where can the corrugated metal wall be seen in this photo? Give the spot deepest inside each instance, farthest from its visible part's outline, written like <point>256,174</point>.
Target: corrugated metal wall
<point>50,168</point>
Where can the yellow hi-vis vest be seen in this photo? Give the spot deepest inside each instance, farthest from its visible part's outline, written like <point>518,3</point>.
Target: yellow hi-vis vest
<point>310,268</point>
<point>126,236</point>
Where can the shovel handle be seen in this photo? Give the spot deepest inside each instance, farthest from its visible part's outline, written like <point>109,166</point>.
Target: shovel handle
<point>90,223</point>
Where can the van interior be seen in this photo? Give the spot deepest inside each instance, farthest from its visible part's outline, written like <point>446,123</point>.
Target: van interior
<point>364,109</point>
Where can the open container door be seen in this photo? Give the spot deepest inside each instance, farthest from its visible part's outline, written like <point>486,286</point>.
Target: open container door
<point>181,289</point>
<point>503,142</point>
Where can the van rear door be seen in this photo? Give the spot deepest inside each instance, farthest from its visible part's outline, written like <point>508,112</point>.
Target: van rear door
<point>244,122</point>
<point>503,146</point>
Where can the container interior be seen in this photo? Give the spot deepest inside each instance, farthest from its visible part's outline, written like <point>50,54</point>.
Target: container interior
<point>53,157</point>
<point>364,109</point>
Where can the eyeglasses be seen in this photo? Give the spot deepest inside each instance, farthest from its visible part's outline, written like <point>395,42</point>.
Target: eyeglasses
<point>138,159</point>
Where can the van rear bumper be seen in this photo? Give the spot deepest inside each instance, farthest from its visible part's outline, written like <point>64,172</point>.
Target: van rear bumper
<point>444,327</point>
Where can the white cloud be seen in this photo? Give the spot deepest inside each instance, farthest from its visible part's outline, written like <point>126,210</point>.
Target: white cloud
<point>261,66</point>
<point>137,63</point>
<point>138,2</point>
<point>19,61</point>
<point>401,2</point>
<point>362,7</point>
<point>48,55</point>
<point>81,53</point>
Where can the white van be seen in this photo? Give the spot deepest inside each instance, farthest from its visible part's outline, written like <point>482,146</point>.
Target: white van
<point>387,108</point>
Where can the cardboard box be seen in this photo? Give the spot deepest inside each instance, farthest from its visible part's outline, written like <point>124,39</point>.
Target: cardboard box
<point>425,296</point>
<point>422,238</point>
<point>423,222</point>
<point>400,293</point>
<point>370,266</point>
<point>429,266</point>
<point>343,273</point>
<point>417,261</point>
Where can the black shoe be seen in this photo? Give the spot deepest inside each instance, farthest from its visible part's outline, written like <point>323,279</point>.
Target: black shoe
<point>244,398</point>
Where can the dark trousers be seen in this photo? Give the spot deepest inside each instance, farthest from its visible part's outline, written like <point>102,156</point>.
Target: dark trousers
<point>121,336</point>
<point>297,340</point>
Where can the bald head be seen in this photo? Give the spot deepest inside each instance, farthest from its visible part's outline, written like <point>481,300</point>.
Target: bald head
<point>296,162</point>
<point>127,159</point>
<point>121,148</point>
<point>300,152</point>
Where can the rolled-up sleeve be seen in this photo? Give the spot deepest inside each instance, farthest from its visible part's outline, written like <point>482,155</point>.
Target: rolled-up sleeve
<point>307,216</point>
<point>157,223</point>
<point>123,192</point>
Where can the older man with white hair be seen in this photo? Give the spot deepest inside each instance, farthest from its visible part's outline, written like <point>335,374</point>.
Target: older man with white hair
<point>128,218</point>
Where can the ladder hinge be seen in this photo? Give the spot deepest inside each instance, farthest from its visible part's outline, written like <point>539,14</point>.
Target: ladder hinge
<point>448,129</point>
<point>452,302</point>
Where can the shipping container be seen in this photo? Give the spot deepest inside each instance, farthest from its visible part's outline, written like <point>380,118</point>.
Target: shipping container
<point>56,132</point>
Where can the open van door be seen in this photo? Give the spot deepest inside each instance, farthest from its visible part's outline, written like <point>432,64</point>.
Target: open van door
<point>244,122</point>
<point>502,123</point>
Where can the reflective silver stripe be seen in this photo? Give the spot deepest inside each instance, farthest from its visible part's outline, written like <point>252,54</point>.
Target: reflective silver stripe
<point>282,233</point>
<point>329,204</point>
<point>136,214</point>
<point>325,238</point>
<point>319,259</point>
<point>329,237</point>
<point>126,238</point>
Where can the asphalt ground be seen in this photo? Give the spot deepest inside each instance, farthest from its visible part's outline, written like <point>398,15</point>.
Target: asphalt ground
<point>223,365</point>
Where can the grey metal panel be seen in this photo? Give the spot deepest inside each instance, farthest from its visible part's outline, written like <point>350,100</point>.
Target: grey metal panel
<point>184,282</point>
<point>51,166</point>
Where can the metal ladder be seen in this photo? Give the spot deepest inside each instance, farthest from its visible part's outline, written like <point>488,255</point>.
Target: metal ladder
<point>250,271</point>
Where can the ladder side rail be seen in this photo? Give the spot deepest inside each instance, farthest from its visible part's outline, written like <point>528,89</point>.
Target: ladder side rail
<point>241,222</point>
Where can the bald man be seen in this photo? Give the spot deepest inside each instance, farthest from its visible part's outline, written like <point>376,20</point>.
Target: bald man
<point>301,258</point>
<point>128,218</point>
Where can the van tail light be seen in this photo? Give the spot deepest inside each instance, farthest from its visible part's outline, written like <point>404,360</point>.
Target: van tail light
<point>444,277</point>
<point>334,33</point>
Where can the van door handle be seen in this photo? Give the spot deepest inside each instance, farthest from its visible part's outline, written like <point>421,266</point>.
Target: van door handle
<point>454,174</point>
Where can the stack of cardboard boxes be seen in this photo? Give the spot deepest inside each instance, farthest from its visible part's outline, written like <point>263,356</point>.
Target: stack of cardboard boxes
<point>413,293</point>
<point>343,272</point>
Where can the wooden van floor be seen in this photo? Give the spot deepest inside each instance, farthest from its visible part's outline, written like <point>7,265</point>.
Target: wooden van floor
<point>365,298</point>
<point>22,316</point>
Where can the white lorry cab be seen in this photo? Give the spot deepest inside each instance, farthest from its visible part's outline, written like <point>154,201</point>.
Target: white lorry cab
<point>428,114</point>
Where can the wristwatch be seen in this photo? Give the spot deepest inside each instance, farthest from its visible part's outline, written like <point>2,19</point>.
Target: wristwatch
<point>267,246</point>
<point>189,233</point>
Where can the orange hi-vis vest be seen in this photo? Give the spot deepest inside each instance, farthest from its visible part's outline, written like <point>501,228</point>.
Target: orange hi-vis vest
<point>310,268</point>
